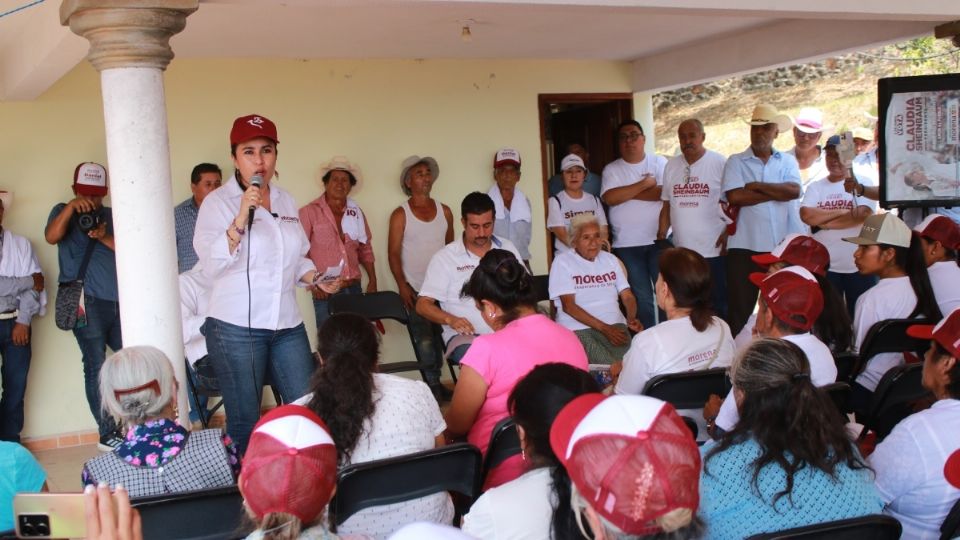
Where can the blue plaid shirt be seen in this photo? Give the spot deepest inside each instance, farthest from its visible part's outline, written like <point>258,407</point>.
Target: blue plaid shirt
<point>185,218</point>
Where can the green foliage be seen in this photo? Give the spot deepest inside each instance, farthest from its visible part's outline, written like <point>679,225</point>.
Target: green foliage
<point>925,56</point>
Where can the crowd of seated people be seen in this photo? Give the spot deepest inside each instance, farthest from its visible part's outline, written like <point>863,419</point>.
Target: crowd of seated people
<point>591,464</point>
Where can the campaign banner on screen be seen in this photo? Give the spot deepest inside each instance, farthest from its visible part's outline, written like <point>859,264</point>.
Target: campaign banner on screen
<point>922,144</point>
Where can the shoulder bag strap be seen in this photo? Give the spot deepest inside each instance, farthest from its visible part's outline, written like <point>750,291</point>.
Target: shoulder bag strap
<point>91,245</point>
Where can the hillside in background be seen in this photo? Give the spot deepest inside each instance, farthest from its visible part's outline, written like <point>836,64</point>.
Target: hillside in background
<point>844,88</point>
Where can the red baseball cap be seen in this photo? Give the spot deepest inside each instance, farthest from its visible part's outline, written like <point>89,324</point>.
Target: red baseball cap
<point>290,465</point>
<point>90,180</point>
<point>946,332</point>
<point>253,126</point>
<point>631,458</point>
<point>506,156</point>
<point>799,249</point>
<point>940,228</point>
<point>793,294</point>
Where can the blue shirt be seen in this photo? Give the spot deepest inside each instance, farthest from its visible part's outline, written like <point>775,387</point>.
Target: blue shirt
<point>100,280</point>
<point>19,472</point>
<point>185,219</point>
<point>732,508</point>
<point>762,226</point>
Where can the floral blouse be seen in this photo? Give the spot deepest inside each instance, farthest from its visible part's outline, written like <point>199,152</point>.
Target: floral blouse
<point>154,443</point>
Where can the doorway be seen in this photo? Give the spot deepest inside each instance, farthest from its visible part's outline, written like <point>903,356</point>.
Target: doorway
<point>587,119</point>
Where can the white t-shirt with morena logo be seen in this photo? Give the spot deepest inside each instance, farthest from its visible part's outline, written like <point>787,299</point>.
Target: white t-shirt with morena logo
<point>633,222</point>
<point>561,208</point>
<point>826,195</point>
<point>596,285</point>
<point>694,196</point>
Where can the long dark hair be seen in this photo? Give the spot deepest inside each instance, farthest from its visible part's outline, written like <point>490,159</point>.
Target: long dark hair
<point>343,384</point>
<point>687,274</point>
<point>916,267</point>
<point>833,326</point>
<point>534,403</point>
<point>502,279</point>
<point>795,424</point>
<point>940,353</point>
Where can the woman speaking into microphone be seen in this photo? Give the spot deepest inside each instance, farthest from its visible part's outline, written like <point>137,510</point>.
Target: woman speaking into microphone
<point>252,249</point>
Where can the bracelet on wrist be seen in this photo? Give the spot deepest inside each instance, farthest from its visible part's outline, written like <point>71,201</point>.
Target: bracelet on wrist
<point>240,230</point>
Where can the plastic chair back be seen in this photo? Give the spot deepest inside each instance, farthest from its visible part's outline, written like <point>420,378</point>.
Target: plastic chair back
<point>894,398</point>
<point>872,527</point>
<point>202,514</point>
<point>455,467</point>
<point>689,389</point>
<point>839,393</point>
<point>504,443</point>
<point>889,336</point>
<point>951,524</point>
<point>848,363</point>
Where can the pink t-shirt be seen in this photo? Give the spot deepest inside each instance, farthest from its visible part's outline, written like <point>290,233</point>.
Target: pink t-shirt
<point>506,356</point>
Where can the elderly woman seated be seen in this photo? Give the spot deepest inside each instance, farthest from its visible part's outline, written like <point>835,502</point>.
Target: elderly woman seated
<point>138,388</point>
<point>586,284</point>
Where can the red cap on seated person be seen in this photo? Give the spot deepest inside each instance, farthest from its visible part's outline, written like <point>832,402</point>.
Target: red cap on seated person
<point>253,126</point>
<point>793,295</point>
<point>946,332</point>
<point>290,465</point>
<point>631,458</point>
<point>941,229</point>
<point>798,249</point>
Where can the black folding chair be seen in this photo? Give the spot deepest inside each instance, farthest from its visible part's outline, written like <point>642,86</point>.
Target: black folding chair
<point>455,467</point>
<point>206,413</point>
<point>872,527</point>
<point>951,524</point>
<point>839,393</point>
<point>889,336</point>
<point>541,287</point>
<point>203,514</point>
<point>894,399</point>
<point>384,305</point>
<point>846,362</point>
<point>688,389</point>
<point>504,443</point>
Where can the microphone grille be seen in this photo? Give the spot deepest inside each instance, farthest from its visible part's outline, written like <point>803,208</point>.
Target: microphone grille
<point>257,180</point>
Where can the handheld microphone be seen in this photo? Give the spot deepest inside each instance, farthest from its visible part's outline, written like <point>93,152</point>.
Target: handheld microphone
<point>257,180</point>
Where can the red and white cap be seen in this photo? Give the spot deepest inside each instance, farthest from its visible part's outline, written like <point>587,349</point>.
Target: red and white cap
<point>290,465</point>
<point>798,249</point>
<point>946,332</point>
<point>809,120</point>
<point>90,180</point>
<point>951,469</point>
<point>631,458</point>
<point>940,228</point>
<point>793,294</point>
<point>253,126</point>
<point>506,156</point>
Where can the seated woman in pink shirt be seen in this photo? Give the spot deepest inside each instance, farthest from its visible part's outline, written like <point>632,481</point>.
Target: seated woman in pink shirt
<point>522,339</point>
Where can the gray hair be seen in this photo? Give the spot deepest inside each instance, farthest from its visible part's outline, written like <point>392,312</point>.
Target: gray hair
<point>677,524</point>
<point>578,222</point>
<point>767,364</point>
<point>133,367</point>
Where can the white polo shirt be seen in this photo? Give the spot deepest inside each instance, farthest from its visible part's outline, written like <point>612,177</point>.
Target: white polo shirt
<point>945,279</point>
<point>561,208</point>
<point>890,298</point>
<point>277,246</point>
<point>448,270</point>
<point>823,371</point>
<point>826,195</point>
<point>595,284</point>
<point>694,192</point>
<point>909,469</point>
<point>633,222</point>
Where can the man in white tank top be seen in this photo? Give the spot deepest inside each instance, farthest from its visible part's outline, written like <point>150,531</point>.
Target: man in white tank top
<point>419,227</point>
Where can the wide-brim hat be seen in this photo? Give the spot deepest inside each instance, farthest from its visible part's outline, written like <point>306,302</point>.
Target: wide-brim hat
<point>810,120</point>
<point>416,160</point>
<point>882,229</point>
<point>6,197</point>
<point>765,113</point>
<point>341,163</point>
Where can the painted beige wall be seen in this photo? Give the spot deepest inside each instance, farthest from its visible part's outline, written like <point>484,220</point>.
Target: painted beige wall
<point>375,112</point>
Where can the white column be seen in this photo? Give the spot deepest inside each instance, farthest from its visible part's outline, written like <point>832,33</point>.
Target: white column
<point>643,113</point>
<point>129,45</point>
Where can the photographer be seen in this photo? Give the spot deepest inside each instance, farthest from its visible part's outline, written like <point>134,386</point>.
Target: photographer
<point>77,228</point>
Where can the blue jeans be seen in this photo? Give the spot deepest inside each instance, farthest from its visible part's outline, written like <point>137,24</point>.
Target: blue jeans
<point>321,308</point>
<point>642,270</point>
<point>427,341</point>
<point>851,286</point>
<point>718,284</point>
<point>16,364</point>
<point>101,331</point>
<point>243,357</point>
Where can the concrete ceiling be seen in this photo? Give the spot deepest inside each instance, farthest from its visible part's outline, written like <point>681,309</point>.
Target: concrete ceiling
<point>669,42</point>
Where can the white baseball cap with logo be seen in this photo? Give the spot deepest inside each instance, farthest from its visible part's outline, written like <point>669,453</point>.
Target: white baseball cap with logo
<point>572,160</point>
<point>882,229</point>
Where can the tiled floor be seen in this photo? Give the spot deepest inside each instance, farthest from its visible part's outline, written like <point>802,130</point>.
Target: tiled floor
<point>63,466</point>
